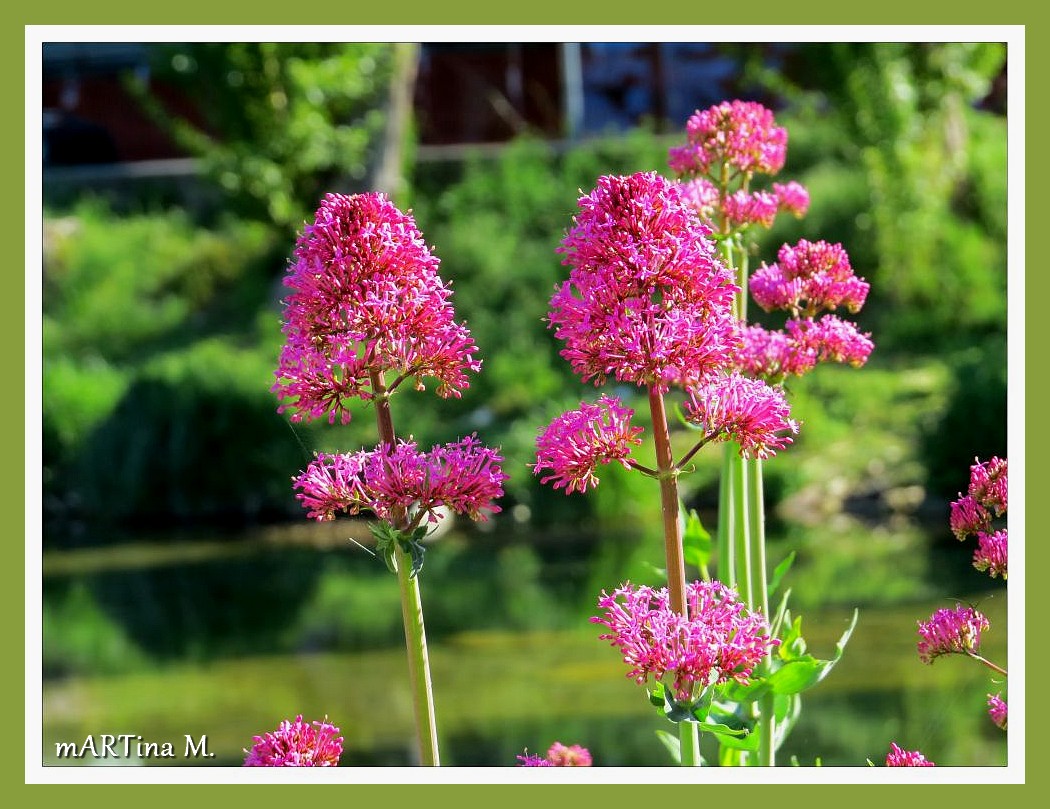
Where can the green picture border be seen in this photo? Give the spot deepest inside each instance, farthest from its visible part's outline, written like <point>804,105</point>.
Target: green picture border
<point>18,424</point>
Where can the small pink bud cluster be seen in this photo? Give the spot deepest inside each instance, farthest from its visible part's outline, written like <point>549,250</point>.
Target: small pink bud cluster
<point>973,513</point>
<point>808,278</point>
<point>748,411</point>
<point>559,755</point>
<point>463,476</point>
<point>736,140</point>
<point>997,710</point>
<point>718,639</point>
<point>906,758</point>
<point>951,631</point>
<point>297,744</point>
<point>573,445</point>
<point>739,134</point>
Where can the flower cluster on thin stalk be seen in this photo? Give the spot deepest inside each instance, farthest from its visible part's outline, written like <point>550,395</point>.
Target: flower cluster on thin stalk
<point>957,631</point>
<point>726,146</point>
<point>719,640</point>
<point>297,744</point>
<point>647,302</point>
<point>974,514</point>
<point>367,313</point>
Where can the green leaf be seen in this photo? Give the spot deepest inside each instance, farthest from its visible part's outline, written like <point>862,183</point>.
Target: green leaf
<point>797,675</point>
<point>792,645</point>
<point>415,550</point>
<point>696,542</point>
<point>723,731</point>
<point>806,671</point>
<point>657,695</point>
<point>386,539</point>
<point>779,572</point>
<point>735,692</point>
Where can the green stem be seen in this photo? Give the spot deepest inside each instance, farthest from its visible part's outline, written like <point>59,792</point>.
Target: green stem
<point>689,743</point>
<point>726,561</point>
<point>411,607</point>
<point>742,534</point>
<point>760,601</point>
<point>988,663</point>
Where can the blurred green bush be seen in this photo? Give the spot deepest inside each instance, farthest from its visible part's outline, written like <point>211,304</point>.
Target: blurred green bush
<point>160,334</point>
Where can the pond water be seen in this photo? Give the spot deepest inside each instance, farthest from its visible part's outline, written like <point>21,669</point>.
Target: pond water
<point>225,636</point>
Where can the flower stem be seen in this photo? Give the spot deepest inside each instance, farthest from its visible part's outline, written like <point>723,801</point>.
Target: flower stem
<point>669,503</point>
<point>411,607</point>
<point>988,663</point>
<point>726,562</point>
<point>689,743</point>
<point>760,601</point>
<point>688,733</point>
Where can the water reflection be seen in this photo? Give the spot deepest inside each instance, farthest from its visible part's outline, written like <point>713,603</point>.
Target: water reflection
<point>229,636</point>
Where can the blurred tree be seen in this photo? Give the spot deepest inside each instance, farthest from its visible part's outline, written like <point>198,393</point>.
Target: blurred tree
<point>908,114</point>
<point>280,123</point>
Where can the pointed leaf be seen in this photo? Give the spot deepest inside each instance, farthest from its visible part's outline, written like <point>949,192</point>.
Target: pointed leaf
<point>779,572</point>
<point>696,542</point>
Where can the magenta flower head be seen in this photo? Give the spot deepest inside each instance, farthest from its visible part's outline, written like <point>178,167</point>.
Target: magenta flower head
<point>988,484</point>
<point>647,300</point>
<point>739,134</point>
<point>831,339</point>
<point>463,476</point>
<point>808,278</point>
<point>792,197</point>
<point>748,411</point>
<point>997,710</point>
<point>991,554</point>
<point>906,758</point>
<point>719,641</point>
<point>366,300</point>
<point>572,446</point>
<point>758,208</point>
<point>951,631</point>
<point>968,517</point>
<point>561,755</point>
<point>297,744</point>
<point>773,355</point>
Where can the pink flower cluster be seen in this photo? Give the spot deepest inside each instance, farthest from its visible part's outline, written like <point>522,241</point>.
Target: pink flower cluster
<point>951,631</point>
<point>739,134</point>
<point>997,710</point>
<point>808,278</point>
<point>463,476</point>
<point>573,445</point>
<point>366,299</point>
<point>647,301</point>
<point>297,744</point>
<point>973,513</point>
<point>727,144</point>
<point>748,411</point>
<point>559,755</point>
<point>906,758</point>
<point>718,640</point>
